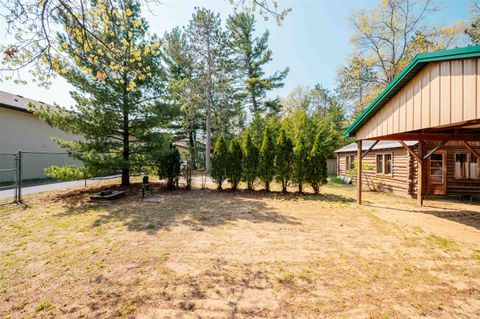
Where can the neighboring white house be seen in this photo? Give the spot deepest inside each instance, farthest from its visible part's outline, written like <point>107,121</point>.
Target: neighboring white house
<point>21,130</point>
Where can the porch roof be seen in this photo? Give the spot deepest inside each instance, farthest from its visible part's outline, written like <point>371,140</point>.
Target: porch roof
<point>404,91</point>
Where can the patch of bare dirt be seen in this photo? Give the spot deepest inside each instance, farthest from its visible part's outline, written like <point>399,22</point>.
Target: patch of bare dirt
<point>208,254</point>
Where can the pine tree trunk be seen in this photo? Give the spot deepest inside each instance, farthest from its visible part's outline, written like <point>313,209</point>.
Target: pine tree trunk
<point>267,186</point>
<point>284,187</point>
<point>193,151</point>
<point>300,187</point>
<point>126,142</point>
<point>254,103</point>
<point>208,144</point>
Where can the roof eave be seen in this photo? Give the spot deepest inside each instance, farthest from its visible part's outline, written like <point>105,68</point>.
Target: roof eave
<point>14,108</point>
<point>415,65</point>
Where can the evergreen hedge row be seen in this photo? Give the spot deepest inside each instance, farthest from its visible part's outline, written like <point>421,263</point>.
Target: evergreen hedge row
<point>283,160</point>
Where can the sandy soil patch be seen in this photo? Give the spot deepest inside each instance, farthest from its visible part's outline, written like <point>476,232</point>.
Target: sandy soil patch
<point>208,254</point>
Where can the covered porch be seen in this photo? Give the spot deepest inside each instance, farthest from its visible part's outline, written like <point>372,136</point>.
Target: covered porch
<point>434,101</point>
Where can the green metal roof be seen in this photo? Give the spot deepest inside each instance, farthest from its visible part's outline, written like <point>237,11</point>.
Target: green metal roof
<point>406,75</point>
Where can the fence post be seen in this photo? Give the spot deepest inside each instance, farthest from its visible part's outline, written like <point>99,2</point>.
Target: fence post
<point>15,195</point>
<point>19,177</point>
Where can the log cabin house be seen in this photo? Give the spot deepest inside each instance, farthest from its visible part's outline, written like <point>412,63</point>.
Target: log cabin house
<point>388,167</point>
<point>435,102</point>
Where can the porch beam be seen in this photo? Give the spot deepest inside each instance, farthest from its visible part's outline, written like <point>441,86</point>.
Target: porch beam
<point>471,150</point>
<point>409,150</point>
<point>420,175</point>
<point>370,148</point>
<point>430,137</point>
<point>359,172</point>
<point>436,148</point>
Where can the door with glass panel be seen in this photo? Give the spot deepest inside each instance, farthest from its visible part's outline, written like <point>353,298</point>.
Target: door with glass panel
<point>437,173</point>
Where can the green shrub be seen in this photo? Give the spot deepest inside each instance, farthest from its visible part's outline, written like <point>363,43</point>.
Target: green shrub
<point>266,159</point>
<point>250,161</point>
<point>316,174</point>
<point>235,163</point>
<point>283,159</point>
<point>219,161</point>
<point>300,165</point>
<point>169,166</point>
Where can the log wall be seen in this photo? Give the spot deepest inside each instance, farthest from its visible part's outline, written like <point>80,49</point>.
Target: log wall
<point>404,176</point>
<point>398,182</point>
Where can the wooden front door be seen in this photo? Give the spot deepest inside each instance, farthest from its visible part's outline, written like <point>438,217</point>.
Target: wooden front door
<point>437,173</point>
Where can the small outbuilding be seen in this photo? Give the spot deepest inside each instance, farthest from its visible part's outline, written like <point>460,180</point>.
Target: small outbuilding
<point>433,103</point>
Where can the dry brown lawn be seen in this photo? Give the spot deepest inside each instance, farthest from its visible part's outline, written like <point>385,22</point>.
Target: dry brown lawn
<point>209,254</point>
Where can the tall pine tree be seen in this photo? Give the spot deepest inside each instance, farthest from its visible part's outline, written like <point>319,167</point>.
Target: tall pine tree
<point>206,43</point>
<point>116,71</point>
<point>252,55</point>
<point>183,87</point>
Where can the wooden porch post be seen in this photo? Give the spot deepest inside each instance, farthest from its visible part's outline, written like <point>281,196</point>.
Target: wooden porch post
<point>420,174</point>
<point>359,172</point>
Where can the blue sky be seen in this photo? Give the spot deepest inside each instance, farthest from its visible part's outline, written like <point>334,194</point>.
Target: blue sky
<point>314,40</point>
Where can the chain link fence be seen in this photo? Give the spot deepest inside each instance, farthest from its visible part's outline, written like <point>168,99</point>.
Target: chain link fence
<point>8,178</point>
<point>24,173</point>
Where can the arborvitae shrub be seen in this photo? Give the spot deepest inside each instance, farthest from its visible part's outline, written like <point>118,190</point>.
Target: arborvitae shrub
<point>250,161</point>
<point>219,161</point>
<point>266,159</point>
<point>317,166</point>
<point>235,163</point>
<point>283,159</point>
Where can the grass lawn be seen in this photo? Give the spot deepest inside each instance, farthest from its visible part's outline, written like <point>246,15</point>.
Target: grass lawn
<point>209,254</point>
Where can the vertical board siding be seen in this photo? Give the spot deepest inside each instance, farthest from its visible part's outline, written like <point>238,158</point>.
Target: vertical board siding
<point>396,114</point>
<point>469,90</point>
<point>442,93</point>
<point>434,86</point>
<point>445,87</point>
<point>417,104</point>
<point>409,111</point>
<point>425,94</point>
<point>478,88</point>
<point>456,108</point>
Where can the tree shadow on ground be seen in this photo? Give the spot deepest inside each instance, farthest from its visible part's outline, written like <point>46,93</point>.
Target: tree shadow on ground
<point>196,209</point>
<point>463,216</point>
<point>293,196</point>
